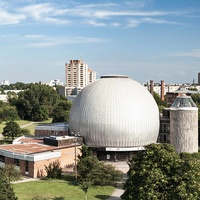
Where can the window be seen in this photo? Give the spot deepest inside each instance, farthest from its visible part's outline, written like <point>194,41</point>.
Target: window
<point>16,162</point>
<point>2,159</point>
<point>26,166</point>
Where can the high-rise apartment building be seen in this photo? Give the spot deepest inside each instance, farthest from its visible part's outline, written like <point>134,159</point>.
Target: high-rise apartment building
<point>78,75</point>
<point>199,78</point>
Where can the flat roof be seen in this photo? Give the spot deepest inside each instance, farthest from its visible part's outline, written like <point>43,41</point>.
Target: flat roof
<point>31,146</point>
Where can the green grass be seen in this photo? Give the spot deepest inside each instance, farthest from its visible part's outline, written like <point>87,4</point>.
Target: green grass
<point>50,189</point>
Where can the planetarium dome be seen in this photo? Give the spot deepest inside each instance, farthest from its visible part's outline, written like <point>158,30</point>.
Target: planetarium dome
<point>115,111</point>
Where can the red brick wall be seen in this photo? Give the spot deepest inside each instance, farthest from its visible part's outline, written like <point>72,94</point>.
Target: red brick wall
<point>37,169</point>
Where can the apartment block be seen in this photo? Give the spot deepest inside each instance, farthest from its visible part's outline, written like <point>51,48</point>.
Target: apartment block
<point>78,75</point>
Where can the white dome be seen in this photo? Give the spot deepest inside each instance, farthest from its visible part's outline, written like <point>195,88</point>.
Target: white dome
<point>115,111</point>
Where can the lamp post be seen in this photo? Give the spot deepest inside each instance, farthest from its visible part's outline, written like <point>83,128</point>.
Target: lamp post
<point>75,160</point>
<point>75,165</point>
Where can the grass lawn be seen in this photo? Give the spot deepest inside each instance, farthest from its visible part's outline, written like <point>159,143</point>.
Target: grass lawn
<point>23,122</point>
<point>52,189</point>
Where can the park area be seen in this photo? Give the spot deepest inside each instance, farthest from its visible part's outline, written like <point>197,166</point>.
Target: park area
<point>55,189</point>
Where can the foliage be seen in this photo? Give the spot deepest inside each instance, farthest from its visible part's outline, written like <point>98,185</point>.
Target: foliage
<point>105,174</point>
<point>25,131</point>
<point>61,111</point>
<point>86,165</point>
<point>84,185</point>
<point>161,173</point>
<point>85,152</point>
<point>54,170</point>
<point>8,112</point>
<point>15,86</point>
<point>10,173</point>
<point>159,102</point>
<point>36,103</point>
<point>6,191</point>
<point>91,169</point>
<point>11,130</point>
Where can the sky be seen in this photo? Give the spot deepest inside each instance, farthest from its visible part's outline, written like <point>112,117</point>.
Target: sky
<point>144,39</point>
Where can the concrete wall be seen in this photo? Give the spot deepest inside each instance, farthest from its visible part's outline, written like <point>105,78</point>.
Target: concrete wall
<point>184,129</point>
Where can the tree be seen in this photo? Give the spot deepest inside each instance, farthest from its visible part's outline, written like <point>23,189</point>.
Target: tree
<point>6,190</point>
<point>61,111</point>
<point>36,103</point>
<point>8,112</point>
<point>53,170</point>
<point>10,173</point>
<point>84,185</point>
<point>91,169</point>
<point>159,101</point>
<point>161,173</point>
<point>12,129</point>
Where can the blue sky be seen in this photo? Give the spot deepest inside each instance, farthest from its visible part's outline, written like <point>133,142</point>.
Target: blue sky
<point>144,39</point>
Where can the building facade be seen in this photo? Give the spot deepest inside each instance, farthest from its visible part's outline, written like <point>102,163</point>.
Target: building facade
<point>30,156</point>
<point>53,129</point>
<point>78,75</point>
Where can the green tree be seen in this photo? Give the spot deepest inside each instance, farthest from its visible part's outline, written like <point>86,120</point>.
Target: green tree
<point>61,111</point>
<point>6,190</point>
<point>85,152</point>
<point>161,104</point>
<point>99,173</point>
<point>160,173</point>
<point>36,103</point>
<point>23,107</point>
<point>11,130</point>
<point>10,173</point>
<point>8,112</point>
<point>84,185</point>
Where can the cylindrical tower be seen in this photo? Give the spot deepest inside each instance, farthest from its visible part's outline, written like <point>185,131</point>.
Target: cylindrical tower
<point>184,125</point>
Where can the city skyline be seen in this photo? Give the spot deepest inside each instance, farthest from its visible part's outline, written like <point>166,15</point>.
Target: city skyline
<point>144,39</point>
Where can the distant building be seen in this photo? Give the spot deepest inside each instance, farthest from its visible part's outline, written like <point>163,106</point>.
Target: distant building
<point>3,97</point>
<point>56,82</point>
<point>171,96</point>
<point>78,75</point>
<point>5,82</point>
<point>54,129</point>
<point>164,135</point>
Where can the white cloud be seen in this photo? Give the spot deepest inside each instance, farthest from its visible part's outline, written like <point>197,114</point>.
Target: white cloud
<point>97,14</point>
<point>34,36</point>
<point>135,22</point>
<point>45,12</point>
<point>8,18</point>
<point>42,41</point>
<point>94,23</point>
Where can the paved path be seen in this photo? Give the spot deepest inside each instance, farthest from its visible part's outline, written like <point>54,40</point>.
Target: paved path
<point>116,194</point>
<point>25,125</point>
<point>122,166</point>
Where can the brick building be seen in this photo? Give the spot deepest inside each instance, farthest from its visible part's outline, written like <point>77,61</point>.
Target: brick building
<point>31,156</point>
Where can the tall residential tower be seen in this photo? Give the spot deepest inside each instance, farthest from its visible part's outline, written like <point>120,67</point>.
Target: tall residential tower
<point>78,75</point>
